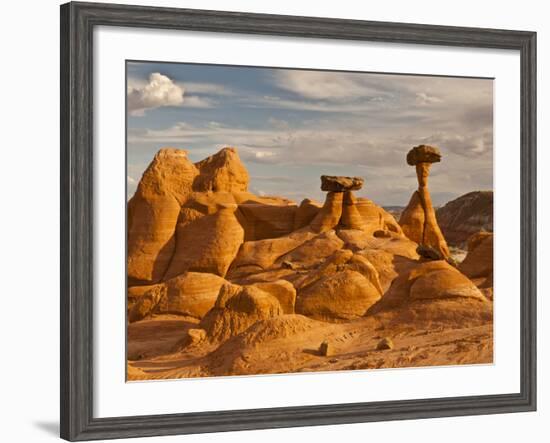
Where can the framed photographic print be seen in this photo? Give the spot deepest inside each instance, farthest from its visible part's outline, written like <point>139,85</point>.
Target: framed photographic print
<point>273,221</point>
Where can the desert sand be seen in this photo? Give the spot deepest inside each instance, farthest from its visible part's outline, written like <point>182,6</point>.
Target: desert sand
<point>223,282</point>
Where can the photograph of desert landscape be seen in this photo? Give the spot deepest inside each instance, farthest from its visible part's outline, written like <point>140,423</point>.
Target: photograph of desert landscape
<point>286,220</point>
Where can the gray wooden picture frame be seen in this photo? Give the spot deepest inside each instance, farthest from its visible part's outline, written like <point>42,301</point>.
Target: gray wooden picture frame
<point>77,24</point>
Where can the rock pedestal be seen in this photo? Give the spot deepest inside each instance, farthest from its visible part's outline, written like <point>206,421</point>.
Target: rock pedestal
<point>351,218</point>
<point>418,220</point>
<point>330,214</point>
<point>337,183</point>
<point>340,208</point>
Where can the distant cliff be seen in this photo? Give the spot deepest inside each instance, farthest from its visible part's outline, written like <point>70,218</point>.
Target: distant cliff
<point>466,215</point>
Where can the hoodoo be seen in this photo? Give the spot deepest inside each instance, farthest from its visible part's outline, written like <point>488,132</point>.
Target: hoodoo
<point>225,282</point>
<point>340,209</point>
<point>418,220</point>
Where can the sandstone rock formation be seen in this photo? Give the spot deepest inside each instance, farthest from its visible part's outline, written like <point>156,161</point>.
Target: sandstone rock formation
<point>262,220</point>
<point>342,210</point>
<point>241,311</point>
<point>385,343</point>
<point>443,283</point>
<point>330,214</point>
<point>208,244</point>
<point>261,254</point>
<point>351,217</point>
<point>429,280</point>
<point>478,264</point>
<point>376,218</point>
<point>283,291</point>
<point>423,154</point>
<point>334,183</point>
<point>418,219</point>
<point>313,251</point>
<point>192,294</point>
<point>145,303</point>
<point>153,213</point>
<point>260,346</point>
<point>397,245</point>
<point>466,215</point>
<point>135,293</point>
<point>305,213</point>
<point>224,282</point>
<point>344,295</point>
<point>222,172</point>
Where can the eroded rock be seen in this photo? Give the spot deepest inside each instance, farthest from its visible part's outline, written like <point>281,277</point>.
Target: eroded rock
<point>192,294</point>
<point>153,212</point>
<point>423,154</point>
<point>478,264</point>
<point>314,250</point>
<point>241,311</point>
<point>329,215</point>
<point>208,244</point>
<point>261,254</point>
<point>384,344</point>
<point>283,291</point>
<point>341,296</point>
<point>336,264</point>
<point>335,183</point>
<point>376,218</point>
<point>222,172</point>
<point>305,213</point>
<point>262,221</point>
<point>466,215</point>
<point>418,219</point>
<point>325,349</point>
<point>351,217</point>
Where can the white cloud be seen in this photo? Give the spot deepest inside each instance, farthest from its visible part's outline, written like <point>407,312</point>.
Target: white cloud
<point>206,88</point>
<point>194,101</point>
<point>424,99</point>
<point>159,91</point>
<point>264,154</point>
<point>131,186</point>
<point>356,92</point>
<point>322,85</point>
<point>372,122</point>
<point>469,144</point>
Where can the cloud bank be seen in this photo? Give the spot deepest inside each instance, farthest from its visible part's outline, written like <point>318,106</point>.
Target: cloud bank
<point>299,124</point>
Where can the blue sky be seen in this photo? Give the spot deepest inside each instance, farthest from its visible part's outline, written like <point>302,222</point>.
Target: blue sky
<point>291,126</point>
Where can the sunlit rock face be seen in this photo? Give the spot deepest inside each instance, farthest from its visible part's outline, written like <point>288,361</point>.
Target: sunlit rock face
<point>418,220</point>
<point>225,282</point>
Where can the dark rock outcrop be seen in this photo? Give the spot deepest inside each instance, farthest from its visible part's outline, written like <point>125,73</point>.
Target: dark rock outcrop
<point>337,183</point>
<point>466,215</point>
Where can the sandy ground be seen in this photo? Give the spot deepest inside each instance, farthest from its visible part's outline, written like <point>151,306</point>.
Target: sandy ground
<point>156,347</point>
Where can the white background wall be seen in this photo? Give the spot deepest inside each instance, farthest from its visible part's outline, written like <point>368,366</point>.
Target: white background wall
<point>29,184</point>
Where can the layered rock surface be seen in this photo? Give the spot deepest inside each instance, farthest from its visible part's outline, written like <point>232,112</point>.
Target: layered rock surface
<point>153,213</point>
<point>478,264</point>
<point>335,183</point>
<point>466,215</point>
<point>236,267</point>
<point>207,244</point>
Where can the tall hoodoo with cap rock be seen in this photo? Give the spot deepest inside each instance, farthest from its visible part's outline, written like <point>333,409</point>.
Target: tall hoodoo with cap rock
<point>418,219</point>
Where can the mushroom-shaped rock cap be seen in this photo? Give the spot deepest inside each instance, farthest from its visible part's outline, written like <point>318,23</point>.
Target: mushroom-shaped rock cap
<point>337,183</point>
<point>423,154</point>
